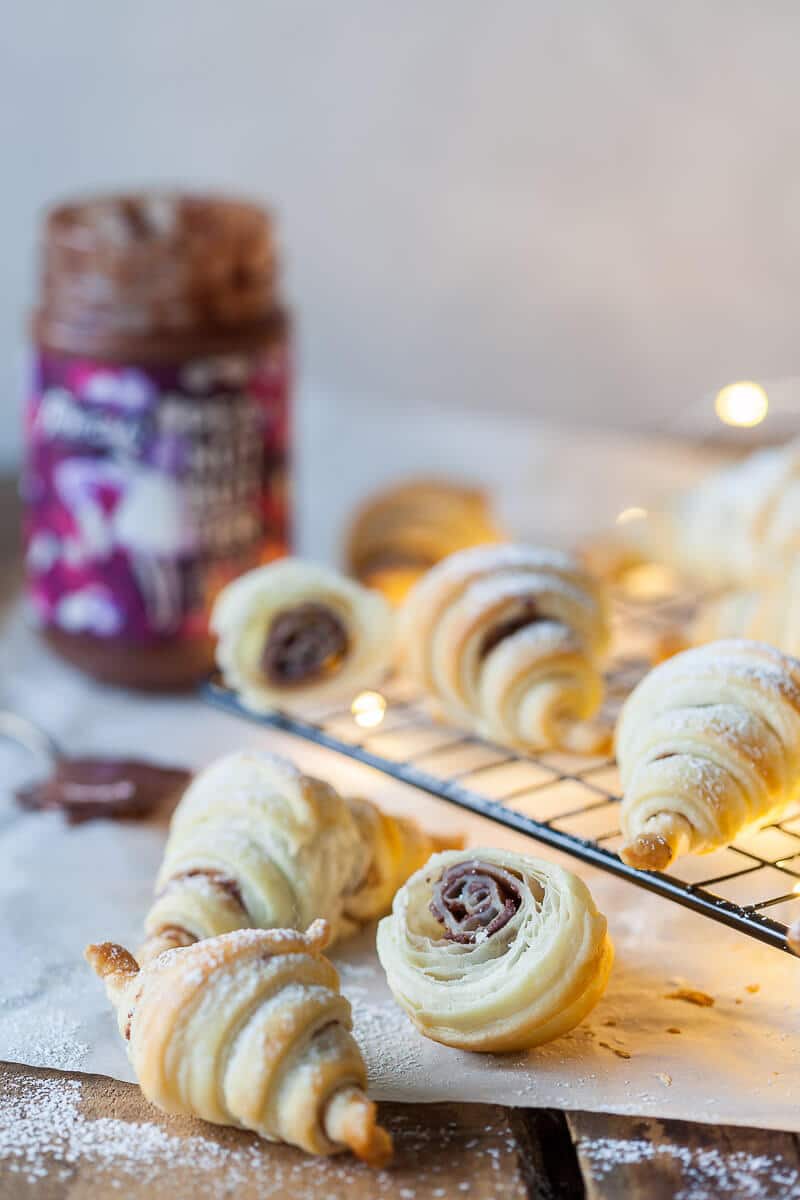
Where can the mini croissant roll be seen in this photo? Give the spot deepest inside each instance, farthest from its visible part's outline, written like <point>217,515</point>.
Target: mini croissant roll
<point>255,842</point>
<point>493,951</point>
<point>739,526</point>
<point>509,640</point>
<point>293,631</point>
<point>769,614</point>
<point>402,532</point>
<point>708,745</point>
<point>248,1029</point>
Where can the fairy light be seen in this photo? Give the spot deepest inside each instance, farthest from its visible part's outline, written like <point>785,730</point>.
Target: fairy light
<point>368,709</point>
<point>649,581</point>
<point>742,404</point>
<point>635,513</point>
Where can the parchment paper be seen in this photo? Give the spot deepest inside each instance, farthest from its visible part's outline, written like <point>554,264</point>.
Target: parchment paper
<point>735,1062</point>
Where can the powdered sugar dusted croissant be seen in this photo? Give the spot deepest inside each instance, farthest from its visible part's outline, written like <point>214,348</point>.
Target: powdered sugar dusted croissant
<point>255,842</point>
<point>489,950</point>
<point>248,1029</point>
<point>509,640</point>
<point>708,745</point>
<point>769,614</point>
<point>295,630</point>
<point>739,526</point>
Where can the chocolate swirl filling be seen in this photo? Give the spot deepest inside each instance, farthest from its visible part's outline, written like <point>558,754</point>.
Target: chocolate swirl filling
<point>527,614</point>
<point>217,879</point>
<point>304,643</point>
<point>473,897</point>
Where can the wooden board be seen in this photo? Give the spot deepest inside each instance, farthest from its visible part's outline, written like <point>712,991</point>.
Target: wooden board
<point>643,1159</point>
<point>65,1136</point>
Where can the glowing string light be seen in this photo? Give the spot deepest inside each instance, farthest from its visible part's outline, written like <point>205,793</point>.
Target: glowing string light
<point>742,404</point>
<point>635,513</point>
<point>368,709</point>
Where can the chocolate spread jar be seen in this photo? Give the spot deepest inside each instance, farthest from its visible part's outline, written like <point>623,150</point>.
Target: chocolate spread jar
<point>156,429</point>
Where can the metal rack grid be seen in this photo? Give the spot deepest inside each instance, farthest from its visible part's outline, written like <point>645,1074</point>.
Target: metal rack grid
<point>567,801</point>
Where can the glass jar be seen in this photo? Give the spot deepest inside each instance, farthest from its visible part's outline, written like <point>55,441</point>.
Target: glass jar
<point>157,428</point>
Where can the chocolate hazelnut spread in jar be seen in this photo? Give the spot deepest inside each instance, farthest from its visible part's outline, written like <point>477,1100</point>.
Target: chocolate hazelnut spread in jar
<point>156,429</point>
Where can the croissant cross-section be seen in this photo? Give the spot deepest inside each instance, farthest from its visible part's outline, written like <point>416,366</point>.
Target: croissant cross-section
<point>248,1029</point>
<point>293,631</point>
<point>490,950</point>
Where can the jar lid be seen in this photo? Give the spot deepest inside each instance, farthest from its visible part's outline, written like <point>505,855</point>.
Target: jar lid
<point>151,266</point>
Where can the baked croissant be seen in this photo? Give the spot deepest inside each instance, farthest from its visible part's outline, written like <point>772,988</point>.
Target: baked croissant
<point>708,745</point>
<point>295,631</point>
<point>255,842</point>
<point>508,639</point>
<point>397,535</point>
<point>739,526</point>
<point>770,614</point>
<point>489,950</point>
<point>248,1029</point>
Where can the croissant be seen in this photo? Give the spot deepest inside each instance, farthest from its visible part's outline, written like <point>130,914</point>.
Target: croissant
<point>489,950</point>
<point>708,745</point>
<point>770,614</point>
<point>739,526</point>
<point>509,639</point>
<point>294,631</point>
<point>400,533</point>
<point>248,1029</point>
<point>255,842</point>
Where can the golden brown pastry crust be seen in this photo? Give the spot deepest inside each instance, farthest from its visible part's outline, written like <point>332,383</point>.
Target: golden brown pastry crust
<point>295,632</point>
<point>708,746</point>
<point>401,532</point>
<point>509,640</point>
<point>248,1029</point>
<point>255,842</point>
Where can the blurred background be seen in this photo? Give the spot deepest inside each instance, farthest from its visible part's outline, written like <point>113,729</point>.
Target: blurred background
<point>555,211</point>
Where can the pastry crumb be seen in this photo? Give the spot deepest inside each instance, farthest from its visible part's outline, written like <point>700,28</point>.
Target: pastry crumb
<point>691,996</point>
<point>610,1021</point>
<point>618,1050</point>
<point>665,1078</point>
<point>673,1029</point>
<point>753,988</point>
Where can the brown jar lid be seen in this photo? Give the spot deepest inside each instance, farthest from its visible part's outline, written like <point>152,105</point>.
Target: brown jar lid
<point>155,274</point>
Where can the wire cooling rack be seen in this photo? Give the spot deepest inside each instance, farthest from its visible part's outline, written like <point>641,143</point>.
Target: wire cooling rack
<point>567,801</point>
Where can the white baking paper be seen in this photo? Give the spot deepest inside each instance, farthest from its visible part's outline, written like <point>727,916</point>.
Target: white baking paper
<point>735,1062</point>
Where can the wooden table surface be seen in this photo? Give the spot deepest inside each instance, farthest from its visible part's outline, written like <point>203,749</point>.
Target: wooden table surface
<point>66,1136</point>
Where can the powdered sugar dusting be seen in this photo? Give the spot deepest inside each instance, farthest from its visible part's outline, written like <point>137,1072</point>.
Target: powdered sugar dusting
<point>708,1173</point>
<point>44,1134</point>
<point>55,1042</point>
<point>389,1043</point>
<point>216,952</point>
<point>41,1126</point>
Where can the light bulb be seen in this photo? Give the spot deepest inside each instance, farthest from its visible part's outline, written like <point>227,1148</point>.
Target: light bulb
<point>368,709</point>
<point>743,404</point>
<point>635,513</point>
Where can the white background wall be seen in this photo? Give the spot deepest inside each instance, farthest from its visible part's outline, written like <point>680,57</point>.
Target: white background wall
<point>584,210</point>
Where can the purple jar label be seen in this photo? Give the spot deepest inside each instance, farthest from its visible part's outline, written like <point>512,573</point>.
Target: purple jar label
<point>147,489</point>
